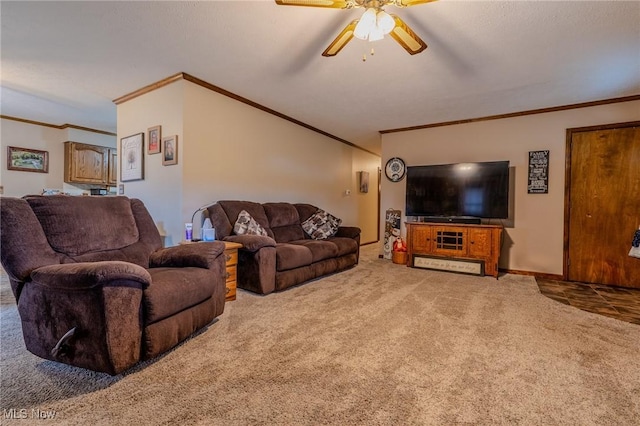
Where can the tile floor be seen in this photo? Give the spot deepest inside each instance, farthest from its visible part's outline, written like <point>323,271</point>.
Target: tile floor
<point>616,302</point>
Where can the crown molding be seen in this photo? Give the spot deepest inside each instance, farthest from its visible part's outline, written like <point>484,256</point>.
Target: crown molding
<point>184,76</point>
<point>517,114</point>
<point>56,126</point>
<point>149,88</point>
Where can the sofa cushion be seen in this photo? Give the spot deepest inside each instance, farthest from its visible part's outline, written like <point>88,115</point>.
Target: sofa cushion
<point>78,225</point>
<point>247,225</point>
<point>291,256</point>
<point>320,249</point>
<point>173,290</point>
<point>321,225</point>
<point>345,245</point>
<point>233,208</point>
<point>220,221</point>
<point>284,222</point>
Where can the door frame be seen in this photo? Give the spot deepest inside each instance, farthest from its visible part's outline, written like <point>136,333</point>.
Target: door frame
<point>567,181</point>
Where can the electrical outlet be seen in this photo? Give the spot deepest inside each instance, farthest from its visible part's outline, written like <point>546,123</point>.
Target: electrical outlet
<point>1,189</point>
<point>121,189</point>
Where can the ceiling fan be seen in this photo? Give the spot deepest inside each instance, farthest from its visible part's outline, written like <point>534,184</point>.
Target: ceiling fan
<point>373,24</point>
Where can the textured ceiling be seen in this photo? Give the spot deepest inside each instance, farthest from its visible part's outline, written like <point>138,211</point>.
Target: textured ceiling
<point>64,62</point>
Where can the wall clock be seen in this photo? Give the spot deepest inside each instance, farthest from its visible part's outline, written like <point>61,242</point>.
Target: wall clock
<point>395,169</point>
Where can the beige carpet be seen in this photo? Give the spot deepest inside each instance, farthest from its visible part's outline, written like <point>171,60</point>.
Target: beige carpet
<point>378,344</point>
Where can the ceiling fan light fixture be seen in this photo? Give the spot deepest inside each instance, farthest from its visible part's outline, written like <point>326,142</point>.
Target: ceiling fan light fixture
<point>366,24</point>
<point>376,34</point>
<point>385,22</point>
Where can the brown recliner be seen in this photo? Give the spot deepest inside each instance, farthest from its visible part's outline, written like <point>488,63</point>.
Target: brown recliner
<point>94,287</point>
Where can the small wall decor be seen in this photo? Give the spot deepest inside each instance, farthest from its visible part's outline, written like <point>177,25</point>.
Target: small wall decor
<point>538,172</point>
<point>27,160</point>
<point>395,169</point>
<point>170,150</point>
<point>363,181</point>
<point>132,157</point>
<point>154,137</point>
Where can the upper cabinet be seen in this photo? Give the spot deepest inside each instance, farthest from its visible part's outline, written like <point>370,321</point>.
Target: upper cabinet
<point>90,164</point>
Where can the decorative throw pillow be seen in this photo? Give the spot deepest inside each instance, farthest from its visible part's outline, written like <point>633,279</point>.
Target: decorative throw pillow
<point>321,225</point>
<point>246,225</point>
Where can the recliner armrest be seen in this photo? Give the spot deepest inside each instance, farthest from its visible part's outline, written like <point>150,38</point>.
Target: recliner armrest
<point>86,275</point>
<point>252,243</point>
<point>199,255</point>
<point>86,314</point>
<point>348,231</point>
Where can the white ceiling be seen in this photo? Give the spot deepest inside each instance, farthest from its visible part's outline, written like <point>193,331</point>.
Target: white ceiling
<point>64,62</point>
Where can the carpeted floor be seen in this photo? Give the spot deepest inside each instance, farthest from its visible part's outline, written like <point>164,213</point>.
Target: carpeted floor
<point>378,344</point>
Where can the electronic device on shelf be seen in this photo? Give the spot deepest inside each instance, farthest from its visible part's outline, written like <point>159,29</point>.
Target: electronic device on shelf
<point>458,193</point>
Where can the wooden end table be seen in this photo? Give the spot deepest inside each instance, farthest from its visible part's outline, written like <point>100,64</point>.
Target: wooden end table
<point>231,259</point>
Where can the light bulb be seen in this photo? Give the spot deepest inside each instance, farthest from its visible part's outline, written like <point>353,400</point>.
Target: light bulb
<point>366,23</point>
<point>385,22</point>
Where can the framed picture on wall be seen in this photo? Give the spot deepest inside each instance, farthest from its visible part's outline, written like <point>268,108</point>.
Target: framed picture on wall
<point>27,160</point>
<point>170,150</point>
<point>132,157</point>
<point>363,182</point>
<point>154,137</point>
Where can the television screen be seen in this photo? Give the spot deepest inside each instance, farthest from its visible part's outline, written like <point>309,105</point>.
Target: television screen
<point>454,190</point>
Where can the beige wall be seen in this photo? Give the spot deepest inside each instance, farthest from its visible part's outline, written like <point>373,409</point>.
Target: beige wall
<point>45,138</point>
<point>534,232</point>
<point>230,150</point>
<point>161,188</point>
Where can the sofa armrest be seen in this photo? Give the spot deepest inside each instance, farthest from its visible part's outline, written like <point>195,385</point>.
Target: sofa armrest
<point>199,255</point>
<point>348,231</point>
<point>252,243</point>
<point>87,275</point>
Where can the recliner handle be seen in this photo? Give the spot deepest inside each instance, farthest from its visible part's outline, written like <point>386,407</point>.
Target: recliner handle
<point>62,347</point>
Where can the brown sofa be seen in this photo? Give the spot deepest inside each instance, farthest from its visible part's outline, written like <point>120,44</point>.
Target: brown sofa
<point>93,285</point>
<point>287,255</point>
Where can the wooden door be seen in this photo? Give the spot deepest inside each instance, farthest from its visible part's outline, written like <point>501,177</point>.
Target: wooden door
<point>603,204</point>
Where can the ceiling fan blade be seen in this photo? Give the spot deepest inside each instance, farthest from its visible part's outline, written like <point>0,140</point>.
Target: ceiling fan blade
<point>343,38</point>
<point>406,37</point>
<point>407,3</point>
<point>333,4</point>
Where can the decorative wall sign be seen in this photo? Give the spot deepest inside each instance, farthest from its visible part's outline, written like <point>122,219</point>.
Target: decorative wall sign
<point>472,267</point>
<point>132,158</point>
<point>538,172</point>
<point>391,230</point>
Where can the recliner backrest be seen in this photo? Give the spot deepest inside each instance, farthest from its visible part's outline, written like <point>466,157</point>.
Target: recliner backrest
<point>45,230</point>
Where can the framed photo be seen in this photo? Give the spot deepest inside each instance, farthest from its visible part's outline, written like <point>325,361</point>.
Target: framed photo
<point>27,160</point>
<point>154,137</point>
<point>170,150</point>
<point>132,157</point>
<point>364,182</point>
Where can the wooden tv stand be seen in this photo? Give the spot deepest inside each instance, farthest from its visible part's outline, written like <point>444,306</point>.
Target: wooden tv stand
<point>473,249</point>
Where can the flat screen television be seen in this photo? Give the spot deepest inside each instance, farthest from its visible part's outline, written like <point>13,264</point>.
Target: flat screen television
<point>478,190</point>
